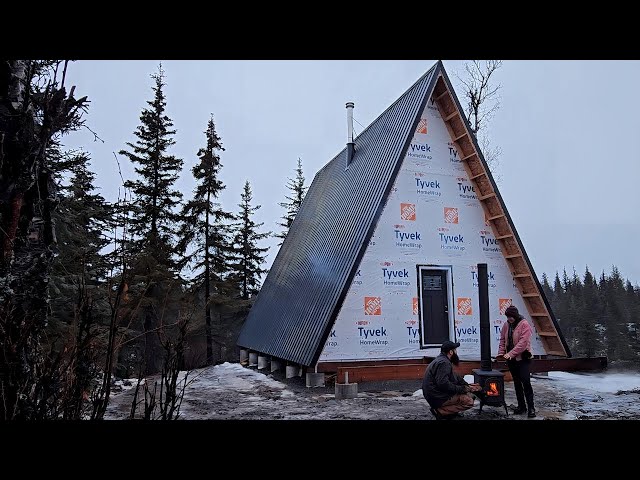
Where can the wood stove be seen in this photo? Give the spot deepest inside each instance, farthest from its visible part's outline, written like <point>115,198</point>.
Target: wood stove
<point>491,381</point>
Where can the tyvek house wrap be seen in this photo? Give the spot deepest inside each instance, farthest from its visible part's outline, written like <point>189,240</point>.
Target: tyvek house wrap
<point>432,216</point>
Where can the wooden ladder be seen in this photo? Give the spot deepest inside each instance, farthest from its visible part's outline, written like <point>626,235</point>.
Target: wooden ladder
<point>496,216</point>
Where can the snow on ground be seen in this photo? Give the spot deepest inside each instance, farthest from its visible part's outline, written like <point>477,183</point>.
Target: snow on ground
<point>598,395</point>
<point>599,382</point>
<point>231,391</point>
<point>126,384</point>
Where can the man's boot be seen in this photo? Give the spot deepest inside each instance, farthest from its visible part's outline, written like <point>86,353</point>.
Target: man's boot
<point>532,412</point>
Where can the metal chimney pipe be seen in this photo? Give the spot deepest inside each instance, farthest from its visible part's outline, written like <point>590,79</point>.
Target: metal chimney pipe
<point>485,327</point>
<point>350,144</point>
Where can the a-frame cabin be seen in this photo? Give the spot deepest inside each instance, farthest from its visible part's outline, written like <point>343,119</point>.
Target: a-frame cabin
<point>379,265</point>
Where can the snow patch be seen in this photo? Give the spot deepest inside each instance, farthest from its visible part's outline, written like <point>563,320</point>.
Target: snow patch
<point>599,382</point>
<point>128,383</point>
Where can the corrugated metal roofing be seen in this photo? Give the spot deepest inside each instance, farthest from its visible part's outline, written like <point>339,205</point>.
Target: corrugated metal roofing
<point>302,294</point>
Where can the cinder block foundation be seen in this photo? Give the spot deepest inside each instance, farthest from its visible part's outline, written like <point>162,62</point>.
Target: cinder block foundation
<point>263,361</point>
<point>315,379</point>
<point>253,359</point>
<point>244,356</point>
<point>292,371</point>
<point>275,364</point>
<point>345,391</point>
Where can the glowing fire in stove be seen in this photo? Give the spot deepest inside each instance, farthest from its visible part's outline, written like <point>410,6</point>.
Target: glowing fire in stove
<point>492,391</point>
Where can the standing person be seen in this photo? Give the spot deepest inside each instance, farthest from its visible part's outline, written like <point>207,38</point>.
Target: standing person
<point>443,389</point>
<point>515,346</point>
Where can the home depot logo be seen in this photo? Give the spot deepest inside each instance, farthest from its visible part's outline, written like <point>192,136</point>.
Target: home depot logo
<point>422,126</point>
<point>504,303</point>
<point>415,306</point>
<point>450,215</point>
<point>372,306</point>
<point>408,211</point>
<point>464,306</point>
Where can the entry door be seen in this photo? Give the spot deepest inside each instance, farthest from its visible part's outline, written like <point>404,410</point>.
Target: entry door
<point>434,299</point>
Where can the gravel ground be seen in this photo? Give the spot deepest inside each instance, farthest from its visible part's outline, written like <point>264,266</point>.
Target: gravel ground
<point>230,391</point>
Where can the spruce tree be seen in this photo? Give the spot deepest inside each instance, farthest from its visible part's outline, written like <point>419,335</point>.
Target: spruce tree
<point>557,286</point>
<point>153,221</point>
<point>602,315</point>
<point>292,205</point>
<point>561,305</point>
<point>204,231</point>
<point>546,288</point>
<point>79,280</point>
<point>633,302</point>
<point>618,347</point>
<point>247,256</point>
<point>588,336</point>
<point>82,220</point>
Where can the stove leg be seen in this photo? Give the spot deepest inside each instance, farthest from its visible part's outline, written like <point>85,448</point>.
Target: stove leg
<point>481,403</point>
<point>504,404</point>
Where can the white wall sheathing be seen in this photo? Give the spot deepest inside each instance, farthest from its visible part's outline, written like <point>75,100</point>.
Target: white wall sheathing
<point>432,217</point>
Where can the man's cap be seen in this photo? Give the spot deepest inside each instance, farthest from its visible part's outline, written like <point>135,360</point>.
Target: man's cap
<point>449,345</point>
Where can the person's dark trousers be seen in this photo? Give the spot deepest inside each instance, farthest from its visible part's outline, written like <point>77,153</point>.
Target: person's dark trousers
<point>522,382</point>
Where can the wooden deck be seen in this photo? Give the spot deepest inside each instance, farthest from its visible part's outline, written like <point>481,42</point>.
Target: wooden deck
<point>414,369</point>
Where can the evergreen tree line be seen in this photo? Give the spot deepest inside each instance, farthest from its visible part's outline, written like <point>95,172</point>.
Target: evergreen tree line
<point>597,316</point>
<point>151,283</point>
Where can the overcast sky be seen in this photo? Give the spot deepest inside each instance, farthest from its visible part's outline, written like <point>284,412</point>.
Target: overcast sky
<point>568,130</point>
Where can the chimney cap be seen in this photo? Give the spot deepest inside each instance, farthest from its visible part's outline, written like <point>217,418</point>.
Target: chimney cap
<point>350,105</point>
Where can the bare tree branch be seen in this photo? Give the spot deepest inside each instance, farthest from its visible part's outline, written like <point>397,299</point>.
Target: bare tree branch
<point>481,97</point>
<point>482,101</point>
